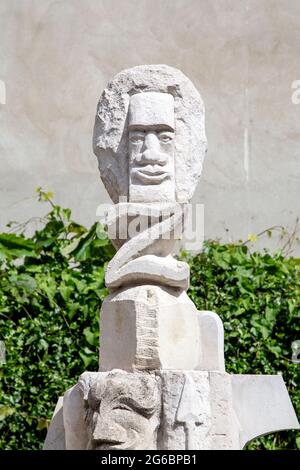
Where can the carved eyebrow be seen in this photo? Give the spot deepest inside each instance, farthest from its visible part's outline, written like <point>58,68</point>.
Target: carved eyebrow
<point>146,410</point>
<point>150,127</point>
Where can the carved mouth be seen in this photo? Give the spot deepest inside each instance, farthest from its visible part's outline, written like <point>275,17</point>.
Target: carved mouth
<point>109,445</point>
<point>150,174</point>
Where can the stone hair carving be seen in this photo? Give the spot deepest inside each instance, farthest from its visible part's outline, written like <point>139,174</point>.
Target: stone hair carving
<point>160,100</point>
<point>123,411</point>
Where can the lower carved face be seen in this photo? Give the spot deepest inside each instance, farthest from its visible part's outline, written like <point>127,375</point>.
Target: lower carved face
<point>123,412</point>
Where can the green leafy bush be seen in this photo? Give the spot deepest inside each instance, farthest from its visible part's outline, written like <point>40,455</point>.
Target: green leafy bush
<point>257,296</point>
<point>51,289</point>
<point>49,308</point>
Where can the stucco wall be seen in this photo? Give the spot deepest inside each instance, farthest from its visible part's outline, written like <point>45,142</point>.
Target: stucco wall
<point>243,55</point>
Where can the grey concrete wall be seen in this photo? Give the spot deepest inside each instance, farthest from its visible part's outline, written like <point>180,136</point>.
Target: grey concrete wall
<point>243,55</point>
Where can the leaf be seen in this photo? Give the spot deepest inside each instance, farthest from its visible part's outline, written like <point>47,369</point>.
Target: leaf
<point>43,423</point>
<point>291,306</point>
<point>44,344</point>
<point>270,314</point>
<point>48,286</point>
<point>252,238</point>
<point>43,195</point>
<point>264,331</point>
<point>15,246</point>
<point>5,411</point>
<point>220,260</point>
<point>69,248</point>
<point>65,291</point>
<point>86,359</point>
<point>66,213</point>
<point>90,336</point>
<point>73,227</point>
<point>82,251</point>
<point>72,309</point>
<point>24,281</point>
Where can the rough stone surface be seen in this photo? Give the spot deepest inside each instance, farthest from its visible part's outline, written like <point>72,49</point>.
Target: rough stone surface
<point>197,411</point>
<point>224,432</point>
<point>113,410</point>
<point>149,327</point>
<point>186,411</point>
<point>145,237</point>
<point>123,411</point>
<point>74,411</point>
<point>170,410</point>
<point>111,130</point>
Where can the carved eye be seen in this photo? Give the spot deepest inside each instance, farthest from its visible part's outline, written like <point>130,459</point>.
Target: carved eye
<point>136,137</point>
<point>166,137</point>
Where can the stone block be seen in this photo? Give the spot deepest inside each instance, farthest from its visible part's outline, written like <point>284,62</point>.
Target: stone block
<point>149,327</point>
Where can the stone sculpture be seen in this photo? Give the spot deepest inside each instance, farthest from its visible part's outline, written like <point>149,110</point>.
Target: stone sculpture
<point>123,411</point>
<point>162,382</point>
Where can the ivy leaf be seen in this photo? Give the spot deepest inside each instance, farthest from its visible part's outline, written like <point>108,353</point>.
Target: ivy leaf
<point>270,314</point>
<point>83,251</point>
<point>24,281</point>
<point>86,356</point>
<point>15,246</point>
<point>5,411</point>
<point>43,423</point>
<point>92,337</point>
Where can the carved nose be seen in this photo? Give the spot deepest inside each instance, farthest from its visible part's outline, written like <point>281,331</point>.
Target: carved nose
<point>108,432</point>
<point>151,141</point>
<point>151,151</point>
<point>153,157</point>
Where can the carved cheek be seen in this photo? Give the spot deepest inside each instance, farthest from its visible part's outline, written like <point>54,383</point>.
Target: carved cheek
<point>135,151</point>
<point>136,423</point>
<point>109,427</point>
<point>168,148</point>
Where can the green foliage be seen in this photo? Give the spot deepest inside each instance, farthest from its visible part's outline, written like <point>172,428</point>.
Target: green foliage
<point>51,289</point>
<point>257,296</point>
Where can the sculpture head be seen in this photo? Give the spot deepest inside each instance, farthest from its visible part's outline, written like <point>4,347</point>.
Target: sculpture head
<point>123,412</point>
<point>149,135</point>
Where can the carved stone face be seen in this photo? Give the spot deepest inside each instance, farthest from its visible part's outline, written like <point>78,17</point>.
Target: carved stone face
<point>123,412</point>
<point>151,143</point>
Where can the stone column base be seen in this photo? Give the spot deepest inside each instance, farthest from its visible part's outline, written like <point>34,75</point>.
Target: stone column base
<point>171,410</point>
<point>152,327</point>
